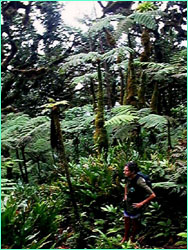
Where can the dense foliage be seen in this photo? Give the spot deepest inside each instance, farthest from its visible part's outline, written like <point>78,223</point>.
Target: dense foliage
<point>76,106</point>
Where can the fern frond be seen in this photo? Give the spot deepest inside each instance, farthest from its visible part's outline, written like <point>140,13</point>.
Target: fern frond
<point>82,58</point>
<point>121,119</point>
<point>84,78</point>
<point>124,109</point>
<point>112,55</point>
<point>144,112</point>
<point>153,121</point>
<point>123,27</point>
<point>146,18</point>
<point>125,114</point>
<point>123,132</point>
<point>104,23</point>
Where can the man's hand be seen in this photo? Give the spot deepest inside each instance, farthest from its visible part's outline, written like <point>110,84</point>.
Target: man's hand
<point>125,197</point>
<point>138,205</point>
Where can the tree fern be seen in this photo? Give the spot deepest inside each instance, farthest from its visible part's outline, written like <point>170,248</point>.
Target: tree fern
<point>84,78</point>
<point>113,54</point>
<point>125,115</point>
<point>153,121</point>
<point>159,71</point>
<point>82,58</point>
<point>146,19</point>
<point>103,23</point>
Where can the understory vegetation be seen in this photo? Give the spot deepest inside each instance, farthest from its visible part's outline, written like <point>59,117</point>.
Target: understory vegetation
<point>76,107</point>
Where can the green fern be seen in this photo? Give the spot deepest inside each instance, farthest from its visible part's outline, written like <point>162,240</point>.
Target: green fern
<point>104,23</point>
<point>124,109</point>
<point>146,19</point>
<point>82,58</point>
<point>84,78</point>
<point>125,115</point>
<point>111,56</point>
<point>153,121</point>
<point>159,71</point>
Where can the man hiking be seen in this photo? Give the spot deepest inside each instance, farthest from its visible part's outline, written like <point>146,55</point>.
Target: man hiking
<point>137,194</point>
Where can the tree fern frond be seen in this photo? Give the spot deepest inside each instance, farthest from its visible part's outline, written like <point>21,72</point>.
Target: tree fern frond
<point>104,23</point>
<point>179,57</point>
<point>121,119</point>
<point>123,27</point>
<point>12,125</point>
<point>84,78</point>
<point>143,112</point>
<point>124,109</point>
<point>112,55</point>
<point>145,19</point>
<point>153,121</point>
<point>82,58</point>
<point>123,131</point>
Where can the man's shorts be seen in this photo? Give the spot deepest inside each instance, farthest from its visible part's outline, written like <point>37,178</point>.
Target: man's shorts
<point>131,216</point>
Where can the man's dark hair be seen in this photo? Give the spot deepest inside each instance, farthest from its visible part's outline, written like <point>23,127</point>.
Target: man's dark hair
<point>133,167</point>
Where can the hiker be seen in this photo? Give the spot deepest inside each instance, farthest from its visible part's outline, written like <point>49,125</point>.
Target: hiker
<point>137,194</point>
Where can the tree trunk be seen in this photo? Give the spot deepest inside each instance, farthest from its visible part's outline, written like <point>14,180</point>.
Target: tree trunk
<point>39,170</point>
<point>92,89</point>
<point>144,57</point>
<point>155,99</point>
<point>145,41</point>
<point>107,78</point>
<point>58,145</point>
<point>141,91</point>
<point>169,136</point>
<point>20,165</point>
<point>100,136</point>
<point>122,85</point>
<point>131,91</point>
<point>24,164</point>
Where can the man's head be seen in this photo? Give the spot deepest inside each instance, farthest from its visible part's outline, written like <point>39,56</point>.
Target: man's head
<point>130,169</point>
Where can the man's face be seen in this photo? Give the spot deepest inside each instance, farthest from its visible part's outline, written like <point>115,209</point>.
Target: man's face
<point>127,172</point>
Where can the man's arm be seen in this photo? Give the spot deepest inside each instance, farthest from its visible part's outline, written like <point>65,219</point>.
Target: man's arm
<point>125,194</point>
<point>140,204</point>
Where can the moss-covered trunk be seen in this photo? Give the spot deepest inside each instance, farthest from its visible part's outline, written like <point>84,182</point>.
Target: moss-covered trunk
<point>144,57</point>
<point>155,99</point>
<point>24,164</point>
<point>145,41</point>
<point>131,90</point>
<point>141,90</point>
<point>20,165</point>
<point>58,145</point>
<point>108,78</point>
<point>92,89</point>
<point>100,136</point>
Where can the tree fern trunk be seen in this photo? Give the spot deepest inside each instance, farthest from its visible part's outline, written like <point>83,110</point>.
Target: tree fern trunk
<point>92,89</point>
<point>107,78</point>
<point>39,170</point>
<point>24,164</point>
<point>154,99</point>
<point>141,91</point>
<point>122,81</point>
<point>122,85</point>
<point>145,55</point>
<point>20,165</point>
<point>58,145</point>
<point>169,136</point>
<point>100,136</point>
<point>131,91</point>
<point>145,41</point>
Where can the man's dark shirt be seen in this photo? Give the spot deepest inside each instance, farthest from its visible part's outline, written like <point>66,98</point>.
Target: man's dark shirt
<point>137,191</point>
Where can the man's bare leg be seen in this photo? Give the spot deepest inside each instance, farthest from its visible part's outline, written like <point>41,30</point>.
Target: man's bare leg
<point>127,229</point>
